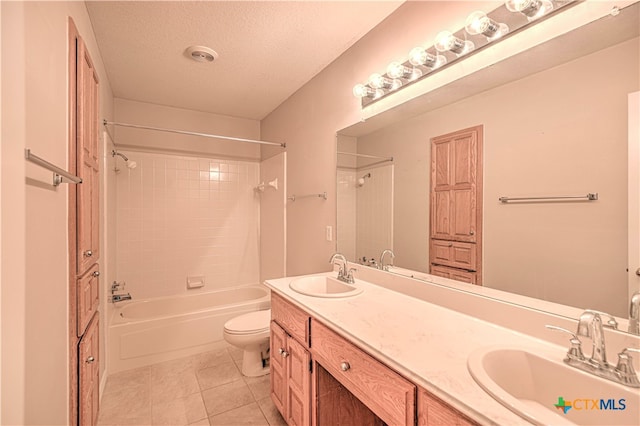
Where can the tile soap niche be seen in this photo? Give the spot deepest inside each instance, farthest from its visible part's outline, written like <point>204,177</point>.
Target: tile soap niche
<point>195,281</point>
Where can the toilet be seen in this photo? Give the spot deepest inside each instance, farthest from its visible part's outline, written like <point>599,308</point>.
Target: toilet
<point>250,332</point>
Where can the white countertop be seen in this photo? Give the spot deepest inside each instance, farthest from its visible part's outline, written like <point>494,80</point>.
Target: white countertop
<point>424,342</point>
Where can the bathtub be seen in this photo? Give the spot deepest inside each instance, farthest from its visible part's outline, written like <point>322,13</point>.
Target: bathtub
<point>149,331</point>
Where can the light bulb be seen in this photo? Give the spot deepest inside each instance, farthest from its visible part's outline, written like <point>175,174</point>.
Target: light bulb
<point>479,23</point>
<point>362,91</point>
<point>532,9</point>
<point>446,41</point>
<point>378,81</point>
<point>419,56</point>
<point>397,70</point>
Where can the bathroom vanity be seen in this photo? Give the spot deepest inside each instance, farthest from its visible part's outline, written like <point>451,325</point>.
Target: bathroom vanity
<point>383,357</point>
<point>333,379</point>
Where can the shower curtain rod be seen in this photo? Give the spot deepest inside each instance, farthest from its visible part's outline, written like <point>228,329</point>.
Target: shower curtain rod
<point>366,155</point>
<point>185,132</point>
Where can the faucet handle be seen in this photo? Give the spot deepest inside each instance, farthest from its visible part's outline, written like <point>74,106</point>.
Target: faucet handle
<point>625,370</point>
<point>350,278</point>
<point>575,351</point>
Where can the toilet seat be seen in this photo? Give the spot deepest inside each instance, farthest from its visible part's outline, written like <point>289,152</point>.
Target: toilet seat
<point>251,323</point>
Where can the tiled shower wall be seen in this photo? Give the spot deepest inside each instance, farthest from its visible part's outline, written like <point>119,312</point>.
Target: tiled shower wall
<point>365,213</point>
<point>179,217</point>
<point>346,232</point>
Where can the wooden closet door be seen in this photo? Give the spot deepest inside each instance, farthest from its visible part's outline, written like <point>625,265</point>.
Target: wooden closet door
<point>88,209</point>
<point>456,205</point>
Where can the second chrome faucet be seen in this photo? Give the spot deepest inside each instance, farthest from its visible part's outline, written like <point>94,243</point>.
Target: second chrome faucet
<point>590,327</point>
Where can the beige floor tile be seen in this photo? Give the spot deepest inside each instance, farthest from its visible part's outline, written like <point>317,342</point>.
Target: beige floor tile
<point>173,367</point>
<point>210,359</point>
<point>218,375</point>
<point>246,415</point>
<point>259,386</point>
<point>130,378</point>
<point>172,386</point>
<point>194,406</point>
<point>169,413</point>
<point>226,397</point>
<point>235,352</point>
<point>203,422</point>
<point>126,406</point>
<point>271,413</point>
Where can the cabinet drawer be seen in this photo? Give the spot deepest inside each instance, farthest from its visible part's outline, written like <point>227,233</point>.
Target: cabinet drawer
<point>87,297</point>
<point>454,253</point>
<point>385,392</point>
<point>291,318</point>
<point>454,274</point>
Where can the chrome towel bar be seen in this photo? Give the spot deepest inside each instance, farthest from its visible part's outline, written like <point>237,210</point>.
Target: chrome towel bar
<point>588,197</point>
<point>295,197</point>
<point>58,173</point>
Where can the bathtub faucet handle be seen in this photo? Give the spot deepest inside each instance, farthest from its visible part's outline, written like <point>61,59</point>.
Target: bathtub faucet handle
<point>117,286</point>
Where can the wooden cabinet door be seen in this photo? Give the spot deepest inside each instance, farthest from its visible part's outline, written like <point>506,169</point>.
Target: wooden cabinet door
<point>298,384</point>
<point>88,366</point>
<point>88,208</point>
<point>88,298</point>
<point>456,185</point>
<point>434,412</point>
<point>277,367</point>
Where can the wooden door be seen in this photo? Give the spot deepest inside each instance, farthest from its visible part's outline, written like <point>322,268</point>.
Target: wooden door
<point>456,199</point>
<point>89,373</point>
<point>84,228</point>
<point>277,366</point>
<point>88,164</point>
<point>456,185</point>
<point>298,384</point>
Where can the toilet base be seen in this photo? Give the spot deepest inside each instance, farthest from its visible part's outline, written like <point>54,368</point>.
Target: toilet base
<point>252,364</point>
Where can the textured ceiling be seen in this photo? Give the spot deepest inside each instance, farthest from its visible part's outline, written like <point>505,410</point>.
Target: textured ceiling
<point>267,49</point>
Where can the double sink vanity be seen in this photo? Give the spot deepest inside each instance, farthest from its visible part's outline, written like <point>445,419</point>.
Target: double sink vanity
<point>367,353</point>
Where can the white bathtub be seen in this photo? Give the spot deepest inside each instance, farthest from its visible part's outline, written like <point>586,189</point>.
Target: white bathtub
<point>155,330</point>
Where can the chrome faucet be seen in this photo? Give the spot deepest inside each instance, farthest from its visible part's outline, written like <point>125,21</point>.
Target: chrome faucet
<point>590,326</point>
<point>344,275</point>
<point>634,313</point>
<point>381,265</point>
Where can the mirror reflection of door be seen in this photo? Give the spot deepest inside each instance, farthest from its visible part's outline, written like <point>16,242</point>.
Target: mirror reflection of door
<point>634,194</point>
<point>455,249</point>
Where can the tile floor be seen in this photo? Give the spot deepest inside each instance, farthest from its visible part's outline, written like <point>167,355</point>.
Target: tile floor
<point>203,389</point>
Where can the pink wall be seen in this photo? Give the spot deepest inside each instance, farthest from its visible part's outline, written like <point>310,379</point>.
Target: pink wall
<point>307,122</point>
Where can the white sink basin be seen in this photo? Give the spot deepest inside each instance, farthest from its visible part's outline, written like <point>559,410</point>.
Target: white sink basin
<point>324,286</point>
<point>531,385</point>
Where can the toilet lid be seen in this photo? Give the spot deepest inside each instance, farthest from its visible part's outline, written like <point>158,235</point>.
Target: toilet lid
<point>249,323</point>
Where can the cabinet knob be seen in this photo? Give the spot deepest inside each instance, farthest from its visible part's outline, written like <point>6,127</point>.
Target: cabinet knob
<point>283,353</point>
<point>96,274</point>
<point>90,360</point>
<point>88,253</point>
<point>638,272</point>
<point>472,232</point>
<point>344,366</point>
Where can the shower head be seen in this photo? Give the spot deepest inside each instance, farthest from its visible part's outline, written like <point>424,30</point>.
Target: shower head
<point>361,180</point>
<point>114,153</point>
<point>130,164</point>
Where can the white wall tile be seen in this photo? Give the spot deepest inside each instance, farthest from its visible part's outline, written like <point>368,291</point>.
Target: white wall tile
<point>180,216</point>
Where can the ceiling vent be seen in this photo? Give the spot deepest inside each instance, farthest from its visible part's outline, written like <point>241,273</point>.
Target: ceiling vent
<point>201,54</point>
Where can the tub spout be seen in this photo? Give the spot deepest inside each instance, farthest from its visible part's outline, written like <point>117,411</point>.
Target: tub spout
<point>120,297</point>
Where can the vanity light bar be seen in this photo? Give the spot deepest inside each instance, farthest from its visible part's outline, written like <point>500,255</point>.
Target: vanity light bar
<point>481,29</point>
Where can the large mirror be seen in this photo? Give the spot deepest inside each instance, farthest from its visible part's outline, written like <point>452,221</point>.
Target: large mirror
<point>555,122</point>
